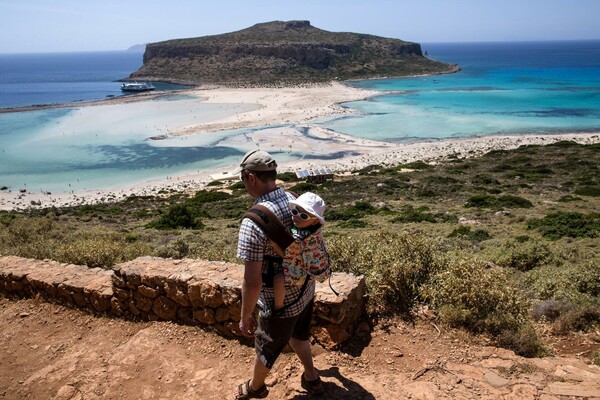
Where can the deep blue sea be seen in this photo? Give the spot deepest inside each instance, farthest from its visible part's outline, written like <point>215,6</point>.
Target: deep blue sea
<point>502,88</point>
<point>51,78</point>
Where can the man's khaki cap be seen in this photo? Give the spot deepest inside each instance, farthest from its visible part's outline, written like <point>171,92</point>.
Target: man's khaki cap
<point>256,160</point>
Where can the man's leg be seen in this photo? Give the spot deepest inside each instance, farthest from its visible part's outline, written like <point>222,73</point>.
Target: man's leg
<point>304,353</point>
<point>259,375</point>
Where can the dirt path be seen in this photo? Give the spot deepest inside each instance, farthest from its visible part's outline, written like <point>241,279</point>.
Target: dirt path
<point>52,352</point>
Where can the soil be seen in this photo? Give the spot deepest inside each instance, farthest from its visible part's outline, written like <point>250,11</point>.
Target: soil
<point>53,352</point>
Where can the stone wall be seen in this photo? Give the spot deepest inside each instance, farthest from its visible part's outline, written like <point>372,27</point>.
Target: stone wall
<point>205,293</point>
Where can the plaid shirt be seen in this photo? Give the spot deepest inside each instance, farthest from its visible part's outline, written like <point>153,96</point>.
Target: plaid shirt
<point>253,245</point>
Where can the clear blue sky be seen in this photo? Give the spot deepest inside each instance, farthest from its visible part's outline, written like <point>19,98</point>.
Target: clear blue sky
<point>89,25</point>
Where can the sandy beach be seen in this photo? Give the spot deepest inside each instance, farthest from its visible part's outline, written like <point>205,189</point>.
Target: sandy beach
<point>290,106</point>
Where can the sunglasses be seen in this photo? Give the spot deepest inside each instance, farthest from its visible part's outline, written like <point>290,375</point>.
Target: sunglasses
<point>302,215</point>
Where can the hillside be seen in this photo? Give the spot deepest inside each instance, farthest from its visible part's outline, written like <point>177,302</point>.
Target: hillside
<point>283,53</point>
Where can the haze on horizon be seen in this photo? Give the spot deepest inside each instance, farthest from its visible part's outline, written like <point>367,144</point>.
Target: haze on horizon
<point>68,25</point>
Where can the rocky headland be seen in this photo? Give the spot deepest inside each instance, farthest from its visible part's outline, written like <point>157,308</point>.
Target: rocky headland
<point>283,53</point>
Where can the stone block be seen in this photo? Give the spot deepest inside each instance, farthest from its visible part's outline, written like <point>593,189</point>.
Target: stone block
<point>143,303</point>
<point>165,308</point>
<point>177,293</point>
<point>205,316</point>
<point>222,314</point>
<point>148,292</point>
<point>204,293</point>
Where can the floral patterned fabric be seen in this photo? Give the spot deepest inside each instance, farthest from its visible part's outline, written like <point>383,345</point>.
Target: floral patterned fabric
<point>304,257</point>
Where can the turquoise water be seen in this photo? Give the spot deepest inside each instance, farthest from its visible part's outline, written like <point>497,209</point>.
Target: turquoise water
<point>507,88</point>
<point>502,88</point>
<point>76,149</point>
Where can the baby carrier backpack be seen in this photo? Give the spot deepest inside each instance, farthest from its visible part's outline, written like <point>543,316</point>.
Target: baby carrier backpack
<point>300,259</point>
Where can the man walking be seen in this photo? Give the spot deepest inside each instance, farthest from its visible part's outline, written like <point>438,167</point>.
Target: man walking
<point>258,173</point>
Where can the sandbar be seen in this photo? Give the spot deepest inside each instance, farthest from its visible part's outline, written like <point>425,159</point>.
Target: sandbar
<point>299,107</point>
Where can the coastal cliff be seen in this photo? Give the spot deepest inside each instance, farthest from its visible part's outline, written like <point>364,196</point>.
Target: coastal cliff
<point>283,53</point>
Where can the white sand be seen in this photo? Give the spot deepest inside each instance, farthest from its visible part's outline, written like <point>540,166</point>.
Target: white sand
<point>295,106</point>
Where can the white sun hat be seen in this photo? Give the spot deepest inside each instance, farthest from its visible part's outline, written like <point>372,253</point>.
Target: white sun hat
<point>311,203</point>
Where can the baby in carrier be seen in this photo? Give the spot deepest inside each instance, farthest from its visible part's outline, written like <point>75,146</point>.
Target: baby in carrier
<point>307,255</point>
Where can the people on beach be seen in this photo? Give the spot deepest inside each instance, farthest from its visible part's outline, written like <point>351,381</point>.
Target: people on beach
<point>307,253</point>
<point>258,173</point>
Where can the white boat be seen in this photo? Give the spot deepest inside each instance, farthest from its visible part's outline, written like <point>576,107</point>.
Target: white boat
<point>137,87</point>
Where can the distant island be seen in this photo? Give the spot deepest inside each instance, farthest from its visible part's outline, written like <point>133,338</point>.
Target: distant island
<point>283,53</point>
<point>137,48</point>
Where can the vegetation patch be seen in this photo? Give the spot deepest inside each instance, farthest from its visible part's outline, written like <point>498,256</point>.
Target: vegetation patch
<point>355,211</point>
<point>469,295</point>
<point>592,191</point>
<point>465,232</point>
<point>567,224</point>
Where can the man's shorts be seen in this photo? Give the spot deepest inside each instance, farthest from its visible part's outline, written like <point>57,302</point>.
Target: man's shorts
<point>273,334</point>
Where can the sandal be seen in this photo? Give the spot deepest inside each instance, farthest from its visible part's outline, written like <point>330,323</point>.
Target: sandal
<point>313,387</point>
<point>244,392</point>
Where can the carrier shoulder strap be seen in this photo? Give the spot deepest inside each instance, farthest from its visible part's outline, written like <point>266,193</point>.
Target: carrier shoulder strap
<point>271,225</point>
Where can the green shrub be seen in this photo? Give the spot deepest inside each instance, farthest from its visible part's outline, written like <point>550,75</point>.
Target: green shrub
<point>418,165</point>
<point>523,256</point>
<point>569,224</point>
<point>478,235</point>
<point>595,358</point>
<point>484,180</point>
<point>209,196</point>
<point>467,294</point>
<point>574,283</point>
<point>176,249</point>
<point>481,200</point>
<point>592,191</point>
<point>510,201</point>
<point>569,198</point>
<point>303,187</point>
<point>178,216</point>
<point>355,211</point>
<point>581,319</point>
<point>524,341</point>
<point>288,177</point>
<point>410,214</point>
<point>395,265</point>
<point>97,248</point>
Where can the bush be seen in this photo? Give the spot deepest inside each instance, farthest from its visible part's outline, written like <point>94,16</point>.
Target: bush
<point>177,249</point>
<point>510,201</point>
<point>288,177</point>
<point>395,265</point>
<point>572,283</point>
<point>481,200</point>
<point>178,216</point>
<point>356,211</point>
<point>303,187</point>
<point>490,201</point>
<point>548,310</point>
<point>209,196</point>
<point>581,319</point>
<point>467,294</point>
<point>478,235</point>
<point>521,255</point>
<point>410,214</point>
<point>595,358</point>
<point>97,248</point>
<point>592,191</point>
<point>569,224</point>
<point>524,341</point>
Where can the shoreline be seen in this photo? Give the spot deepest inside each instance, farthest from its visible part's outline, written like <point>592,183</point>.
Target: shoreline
<point>369,153</point>
<point>288,116</point>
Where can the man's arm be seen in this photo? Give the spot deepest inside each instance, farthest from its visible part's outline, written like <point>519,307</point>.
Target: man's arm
<point>251,287</point>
